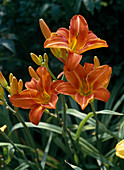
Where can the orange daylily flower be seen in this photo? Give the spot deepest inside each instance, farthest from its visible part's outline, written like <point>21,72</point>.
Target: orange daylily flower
<point>77,39</point>
<point>86,83</point>
<point>60,53</point>
<point>57,52</point>
<point>40,94</point>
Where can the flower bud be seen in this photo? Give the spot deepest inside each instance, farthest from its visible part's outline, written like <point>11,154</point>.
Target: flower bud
<point>96,62</point>
<point>1,92</point>
<point>10,77</point>
<point>40,59</point>
<point>3,81</point>
<point>35,58</point>
<point>32,73</point>
<point>14,86</point>
<point>45,59</point>
<point>44,28</point>
<point>20,85</point>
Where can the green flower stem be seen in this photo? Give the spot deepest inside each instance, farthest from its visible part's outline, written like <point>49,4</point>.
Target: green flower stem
<point>81,126</point>
<point>23,123</point>
<point>52,75</point>
<point>26,129</point>
<point>19,150</point>
<point>97,121</point>
<point>64,127</point>
<point>64,115</point>
<point>58,117</point>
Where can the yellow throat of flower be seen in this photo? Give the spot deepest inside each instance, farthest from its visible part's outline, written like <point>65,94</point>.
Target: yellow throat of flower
<point>85,88</point>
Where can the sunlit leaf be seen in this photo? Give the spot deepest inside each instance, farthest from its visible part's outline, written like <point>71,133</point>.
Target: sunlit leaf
<point>9,45</point>
<point>73,166</point>
<point>46,151</point>
<point>22,166</point>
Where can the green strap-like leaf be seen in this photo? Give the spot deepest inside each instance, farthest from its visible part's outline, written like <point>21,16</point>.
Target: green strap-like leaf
<point>84,145</point>
<point>46,151</point>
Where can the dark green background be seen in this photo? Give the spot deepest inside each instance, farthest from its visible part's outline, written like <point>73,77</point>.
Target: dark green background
<point>20,32</point>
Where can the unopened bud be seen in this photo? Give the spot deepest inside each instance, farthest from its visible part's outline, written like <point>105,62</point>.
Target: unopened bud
<point>40,59</point>
<point>3,81</point>
<point>45,59</point>
<point>96,62</point>
<point>32,73</point>
<point>35,58</point>
<point>20,86</point>
<point>44,28</point>
<point>10,77</point>
<point>14,86</point>
<point>1,92</point>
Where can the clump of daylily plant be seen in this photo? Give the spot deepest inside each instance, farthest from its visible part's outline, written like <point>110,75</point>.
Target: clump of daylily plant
<point>83,83</point>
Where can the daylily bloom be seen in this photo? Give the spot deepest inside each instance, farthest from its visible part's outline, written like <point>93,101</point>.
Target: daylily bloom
<point>86,83</point>
<point>120,149</point>
<point>40,94</point>
<point>77,39</point>
<point>69,59</point>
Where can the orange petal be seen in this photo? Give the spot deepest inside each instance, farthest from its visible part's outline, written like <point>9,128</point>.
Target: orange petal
<point>35,114</point>
<point>78,31</point>
<point>73,77</point>
<point>60,75</point>
<point>91,36</point>
<point>57,41</point>
<point>102,94</point>
<point>32,84</point>
<point>83,100</point>
<point>88,68</point>
<point>93,44</point>
<point>66,88</point>
<point>54,85</point>
<point>80,71</point>
<point>23,100</point>
<point>44,28</point>
<point>45,78</point>
<point>73,60</point>
<point>63,32</point>
<point>100,76</point>
<point>52,103</point>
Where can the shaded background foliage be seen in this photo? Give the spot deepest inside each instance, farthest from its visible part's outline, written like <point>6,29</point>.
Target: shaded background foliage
<point>20,35</point>
<point>20,32</point>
